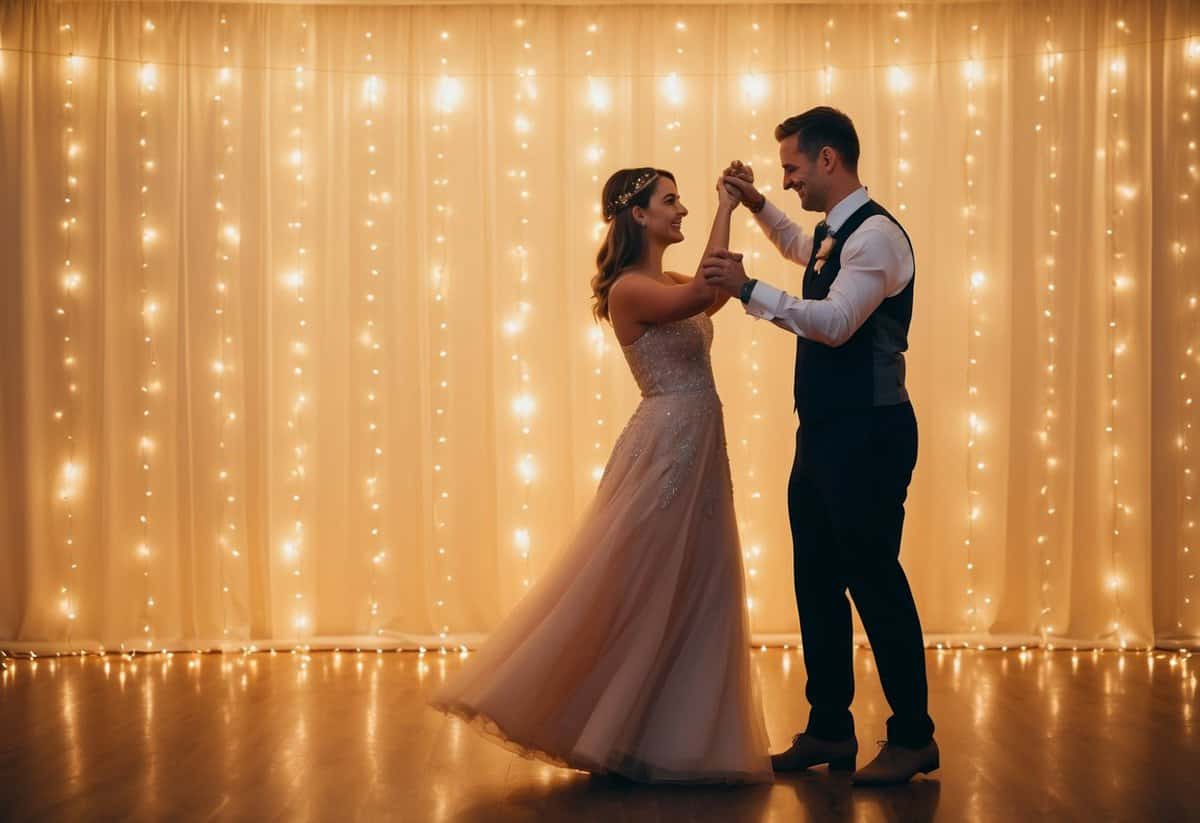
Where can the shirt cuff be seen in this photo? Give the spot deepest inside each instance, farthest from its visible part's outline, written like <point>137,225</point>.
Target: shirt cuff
<point>764,299</point>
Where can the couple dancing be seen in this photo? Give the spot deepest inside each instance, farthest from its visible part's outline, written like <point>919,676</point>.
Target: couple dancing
<point>631,655</point>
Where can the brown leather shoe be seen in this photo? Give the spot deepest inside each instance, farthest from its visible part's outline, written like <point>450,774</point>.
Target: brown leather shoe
<point>807,751</point>
<point>898,764</point>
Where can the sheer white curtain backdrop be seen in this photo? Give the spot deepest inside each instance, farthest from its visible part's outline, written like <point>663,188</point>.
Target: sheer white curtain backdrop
<point>295,325</point>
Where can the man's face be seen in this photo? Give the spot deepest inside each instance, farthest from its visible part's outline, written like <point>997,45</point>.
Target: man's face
<point>802,175</point>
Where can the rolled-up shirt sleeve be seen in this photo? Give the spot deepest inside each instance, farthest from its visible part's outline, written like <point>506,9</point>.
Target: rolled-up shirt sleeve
<point>874,266</point>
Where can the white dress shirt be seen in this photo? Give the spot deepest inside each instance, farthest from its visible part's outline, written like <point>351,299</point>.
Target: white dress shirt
<point>876,263</point>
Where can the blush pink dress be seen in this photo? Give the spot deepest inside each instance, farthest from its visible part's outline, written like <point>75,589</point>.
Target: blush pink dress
<point>631,654</point>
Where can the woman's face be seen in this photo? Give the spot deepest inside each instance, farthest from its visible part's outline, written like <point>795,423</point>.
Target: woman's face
<point>663,216</point>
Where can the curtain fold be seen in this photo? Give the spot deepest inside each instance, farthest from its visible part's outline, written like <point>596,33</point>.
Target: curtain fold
<point>296,334</point>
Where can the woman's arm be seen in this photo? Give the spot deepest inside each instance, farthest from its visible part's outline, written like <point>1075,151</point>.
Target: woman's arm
<point>646,301</point>
<point>718,238</point>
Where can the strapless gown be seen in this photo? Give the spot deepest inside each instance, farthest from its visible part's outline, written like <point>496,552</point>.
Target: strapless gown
<point>631,653</point>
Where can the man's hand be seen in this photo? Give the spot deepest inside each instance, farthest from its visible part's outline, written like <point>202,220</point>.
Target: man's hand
<point>749,195</point>
<point>734,169</point>
<point>739,169</point>
<point>722,269</point>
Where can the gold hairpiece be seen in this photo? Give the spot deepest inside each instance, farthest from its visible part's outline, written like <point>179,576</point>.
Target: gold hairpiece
<point>622,200</point>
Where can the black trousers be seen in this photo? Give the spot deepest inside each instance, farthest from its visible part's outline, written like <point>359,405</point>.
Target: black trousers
<point>846,504</point>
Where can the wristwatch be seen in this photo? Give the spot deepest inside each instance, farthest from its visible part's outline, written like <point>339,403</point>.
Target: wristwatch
<point>762,205</point>
<point>747,288</point>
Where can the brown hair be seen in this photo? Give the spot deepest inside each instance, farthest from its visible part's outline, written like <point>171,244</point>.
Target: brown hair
<point>623,244</point>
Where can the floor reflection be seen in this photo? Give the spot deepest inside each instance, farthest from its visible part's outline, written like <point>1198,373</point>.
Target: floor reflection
<point>325,735</point>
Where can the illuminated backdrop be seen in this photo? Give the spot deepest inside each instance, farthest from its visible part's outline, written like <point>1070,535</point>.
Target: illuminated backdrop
<point>296,328</point>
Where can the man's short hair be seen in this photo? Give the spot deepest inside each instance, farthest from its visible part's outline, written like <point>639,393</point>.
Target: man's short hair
<point>820,127</point>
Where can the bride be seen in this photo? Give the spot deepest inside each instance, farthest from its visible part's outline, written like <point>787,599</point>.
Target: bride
<point>631,654</point>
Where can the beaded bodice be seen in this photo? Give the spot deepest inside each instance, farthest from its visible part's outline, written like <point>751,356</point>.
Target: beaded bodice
<point>673,358</point>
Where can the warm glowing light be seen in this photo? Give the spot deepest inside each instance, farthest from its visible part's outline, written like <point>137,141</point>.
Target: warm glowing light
<point>599,96</point>
<point>523,405</point>
<point>527,469</point>
<point>899,80</point>
<point>521,539</point>
<point>372,87</point>
<point>449,93</point>
<point>754,88</point>
<point>672,88</point>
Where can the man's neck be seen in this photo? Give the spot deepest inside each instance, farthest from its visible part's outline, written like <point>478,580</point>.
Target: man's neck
<point>842,194</point>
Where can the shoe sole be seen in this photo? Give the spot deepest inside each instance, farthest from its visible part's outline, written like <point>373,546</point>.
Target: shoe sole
<point>838,764</point>
<point>934,766</point>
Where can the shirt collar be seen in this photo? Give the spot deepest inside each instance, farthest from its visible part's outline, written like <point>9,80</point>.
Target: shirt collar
<point>846,207</point>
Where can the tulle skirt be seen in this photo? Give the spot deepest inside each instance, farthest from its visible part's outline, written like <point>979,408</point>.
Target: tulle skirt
<point>631,654</point>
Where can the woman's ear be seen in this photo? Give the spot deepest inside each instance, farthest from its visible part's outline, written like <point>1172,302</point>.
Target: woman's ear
<point>639,216</point>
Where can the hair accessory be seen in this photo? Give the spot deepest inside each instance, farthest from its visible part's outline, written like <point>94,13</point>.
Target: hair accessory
<point>622,200</point>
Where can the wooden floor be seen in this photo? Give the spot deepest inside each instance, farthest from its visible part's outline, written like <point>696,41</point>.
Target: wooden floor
<point>346,736</point>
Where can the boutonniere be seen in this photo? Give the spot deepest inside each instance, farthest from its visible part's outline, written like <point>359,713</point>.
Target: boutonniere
<point>823,253</point>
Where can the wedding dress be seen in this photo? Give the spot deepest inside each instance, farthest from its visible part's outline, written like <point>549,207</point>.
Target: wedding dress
<point>631,654</point>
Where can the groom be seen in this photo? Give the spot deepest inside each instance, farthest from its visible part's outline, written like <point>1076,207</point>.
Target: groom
<point>856,445</point>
